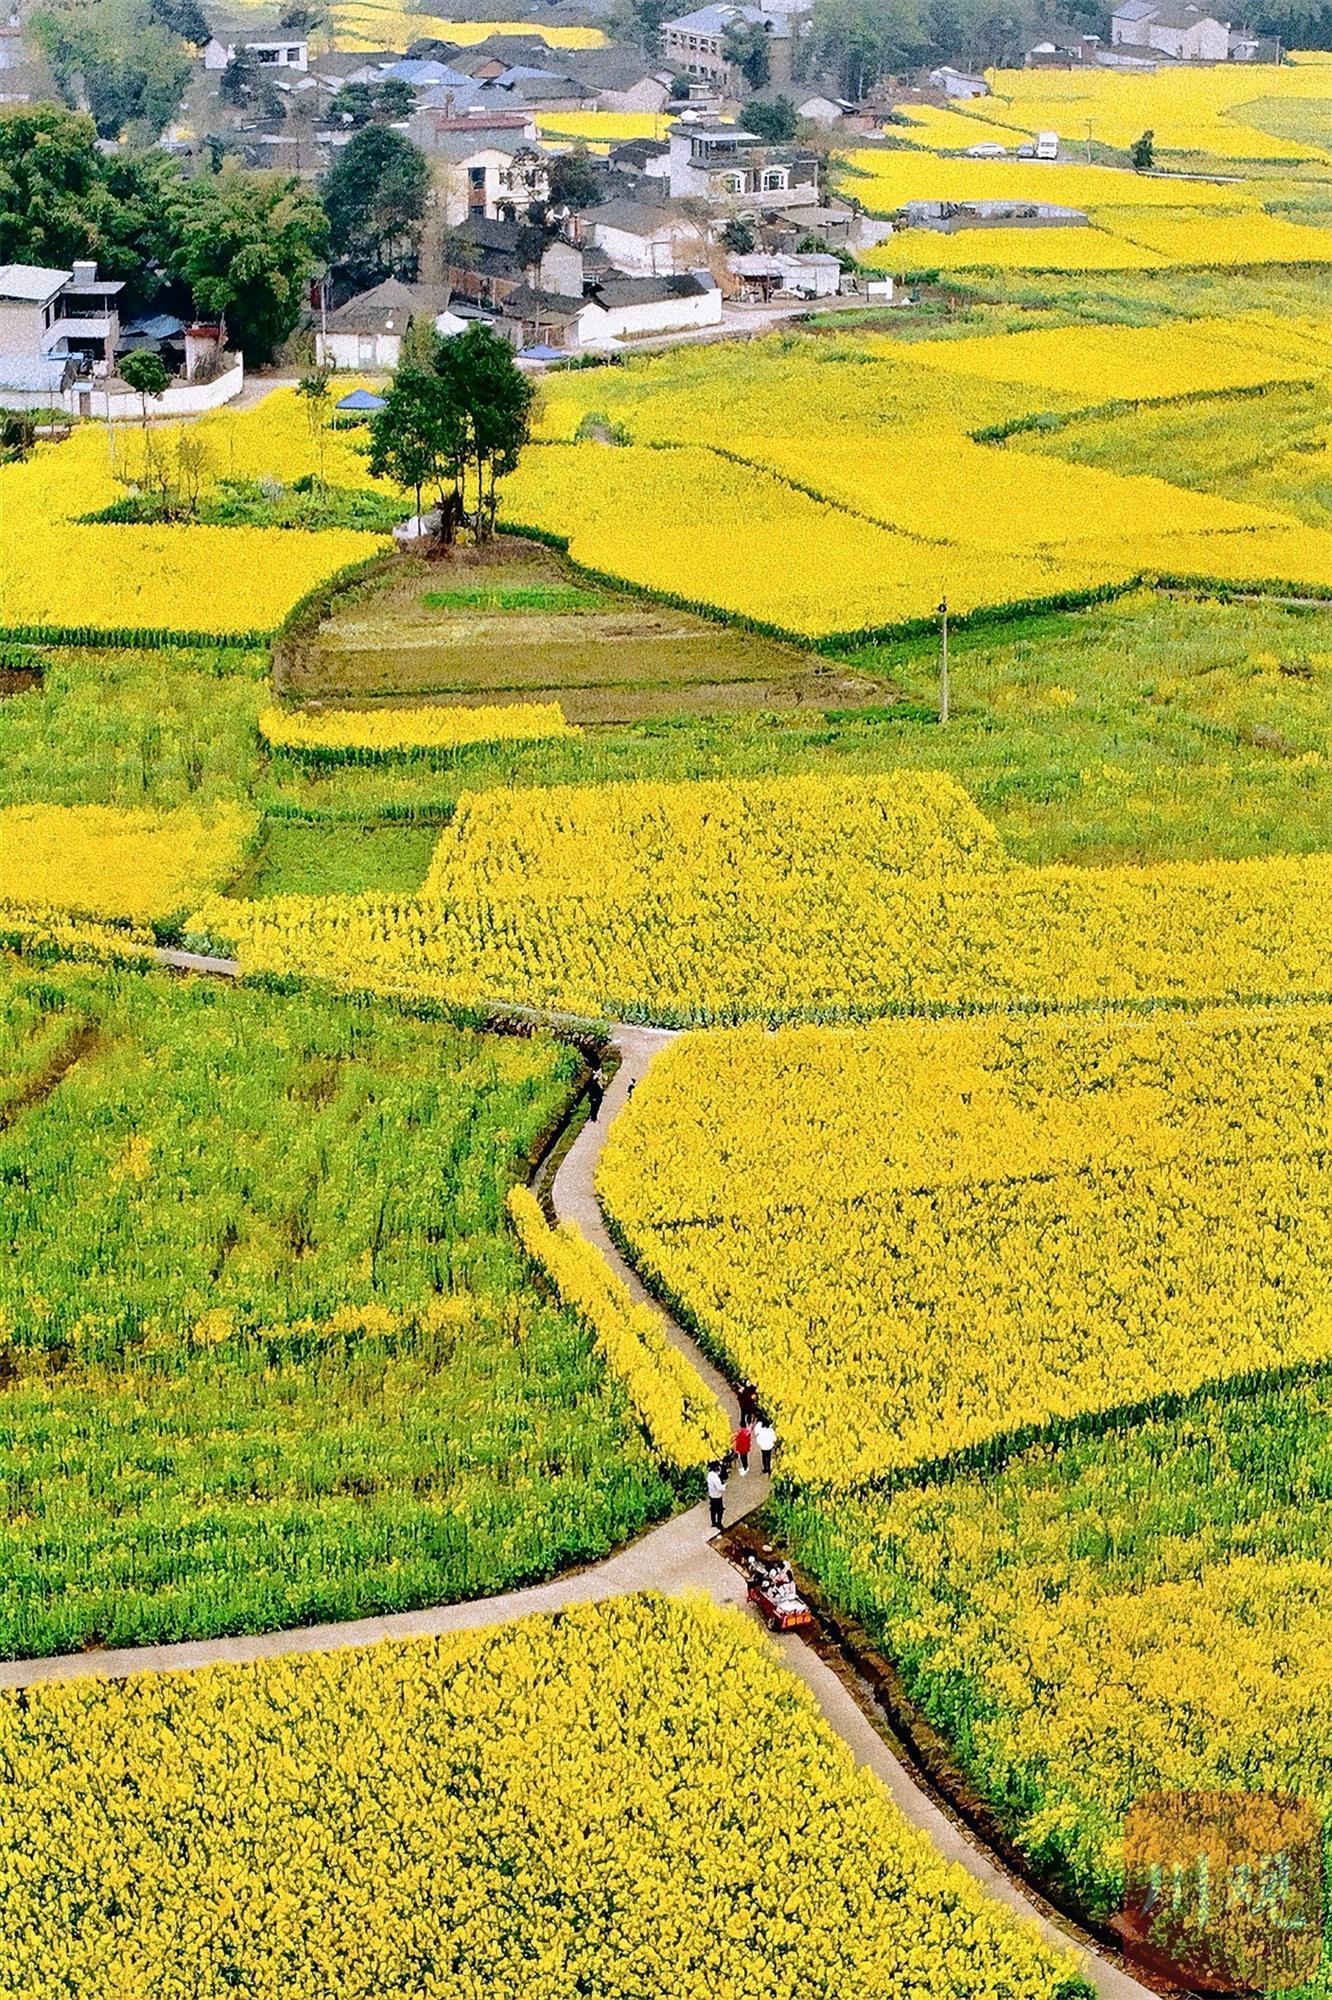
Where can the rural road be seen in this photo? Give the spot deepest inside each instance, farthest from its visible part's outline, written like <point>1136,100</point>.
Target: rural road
<point>677,1555</point>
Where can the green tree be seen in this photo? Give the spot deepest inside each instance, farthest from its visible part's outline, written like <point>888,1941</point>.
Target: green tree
<point>61,199</point>
<point>393,100</point>
<point>130,68</point>
<point>145,373</point>
<point>247,244</point>
<point>418,440</point>
<point>745,44</point>
<point>574,180</point>
<point>374,195</point>
<point>1143,153</point>
<point>492,402</point>
<point>775,122</point>
<point>738,236</point>
<point>420,345</point>
<point>313,391</point>
<point>53,199</point>
<point>352,105</point>
<point>185,18</point>
<point>863,40</point>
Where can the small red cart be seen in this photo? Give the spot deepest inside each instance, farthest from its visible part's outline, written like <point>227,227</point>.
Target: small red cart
<point>785,1614</point>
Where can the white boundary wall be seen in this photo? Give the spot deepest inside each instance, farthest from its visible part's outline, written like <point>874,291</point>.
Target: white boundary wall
<point>182,399</point>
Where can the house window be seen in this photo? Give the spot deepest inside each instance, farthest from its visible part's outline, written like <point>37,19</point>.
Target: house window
<point>267,55</point>
<point>293,55</point>
<point>733,184</point>
<point>367,350</point>
<point>774,177</point>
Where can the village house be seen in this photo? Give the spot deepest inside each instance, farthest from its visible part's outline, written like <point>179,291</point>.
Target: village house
<point>647,241</point>
<point>626,308</point>
<point>724,163</point>
<point>367,331</point>
<point>946,218</point>
<point>958,83</point>
<point>490,260</point>
<point>1176,28</point>
<point>650,158</point>
<point>696,42</point>
<point>288,52</point>
<point>491,165</point>
<point>810,274</point>
<point>621,79</point>
<point>54,326</point>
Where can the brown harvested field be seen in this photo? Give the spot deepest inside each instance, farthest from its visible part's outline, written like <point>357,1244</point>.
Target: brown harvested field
<point>516,622</point>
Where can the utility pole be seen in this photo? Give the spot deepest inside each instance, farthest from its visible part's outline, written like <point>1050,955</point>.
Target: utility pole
<point>1089,126</point>
<point>943,659</point>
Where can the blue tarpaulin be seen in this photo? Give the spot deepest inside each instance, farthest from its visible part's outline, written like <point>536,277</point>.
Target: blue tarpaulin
<point>361,399</point>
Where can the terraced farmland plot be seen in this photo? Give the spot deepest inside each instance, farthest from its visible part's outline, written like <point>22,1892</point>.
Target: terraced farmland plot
<point>526,628</point>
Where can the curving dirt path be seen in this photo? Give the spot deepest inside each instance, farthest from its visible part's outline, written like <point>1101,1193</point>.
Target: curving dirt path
<point>678,1555</point>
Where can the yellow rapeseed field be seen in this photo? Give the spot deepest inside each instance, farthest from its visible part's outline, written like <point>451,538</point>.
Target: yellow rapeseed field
<point>884,180</point>
<point>817,898</point>
<point>1194,109</point>
<point>102,861</point>
<point>908,252</point>
<point>889,503</point>
<point>396,732</point>
<point>55,571</point>
<point>603,128</point>
<point>1211,239</point>
<point>916,1237</point>
<point>634,1799</point>
<point>1105,363</point>
<point>383,24</point>
<point>681,1415</point>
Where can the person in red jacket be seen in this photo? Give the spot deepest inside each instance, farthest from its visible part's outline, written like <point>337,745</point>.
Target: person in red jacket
<point>740,1444</point>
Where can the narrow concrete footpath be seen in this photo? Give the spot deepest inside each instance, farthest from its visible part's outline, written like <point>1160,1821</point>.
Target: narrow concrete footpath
<point>676,1556</point>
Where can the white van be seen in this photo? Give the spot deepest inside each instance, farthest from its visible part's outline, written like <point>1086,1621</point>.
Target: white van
<point>1047,145</point>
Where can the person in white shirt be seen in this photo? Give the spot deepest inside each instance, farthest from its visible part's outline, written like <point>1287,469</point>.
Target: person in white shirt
<point>716,1494</point>
<point>765,1437</point>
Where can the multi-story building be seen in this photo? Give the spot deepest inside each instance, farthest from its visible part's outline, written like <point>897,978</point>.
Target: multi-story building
<point>724,163</point>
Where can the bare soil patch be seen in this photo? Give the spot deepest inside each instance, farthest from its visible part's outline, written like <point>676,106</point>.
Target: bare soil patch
<point>517,622</point>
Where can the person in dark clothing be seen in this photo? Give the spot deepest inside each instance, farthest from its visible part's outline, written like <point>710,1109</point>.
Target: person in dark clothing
<point>749,1402</point>
<point>595,1093</point>
<point>716,1494</point>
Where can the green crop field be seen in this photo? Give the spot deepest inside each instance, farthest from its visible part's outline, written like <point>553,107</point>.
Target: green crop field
<point>279,1360</point>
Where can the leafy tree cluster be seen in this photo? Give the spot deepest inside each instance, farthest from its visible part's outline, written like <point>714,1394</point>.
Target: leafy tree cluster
<point>374,196</point>
<point>122,57</point>
<point>457,414</point>
<point>746,45</point>
<point>775,121</point>
<point>386,103</point>
<point>244,244</point>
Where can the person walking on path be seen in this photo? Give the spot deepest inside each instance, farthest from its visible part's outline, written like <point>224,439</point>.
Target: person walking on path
<point>595,1093</point>
<point>716,1495</point>
<point>765,1437</point>
<point>749,1401</point>
<point>740,1444</point>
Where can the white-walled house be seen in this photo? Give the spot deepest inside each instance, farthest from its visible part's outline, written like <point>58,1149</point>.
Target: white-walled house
<point>367,331</point>
<point>724,163</point>
<point>1176,28</point>
<point>287,52</point>
<point>645,241</point>
<point>634,308</point>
